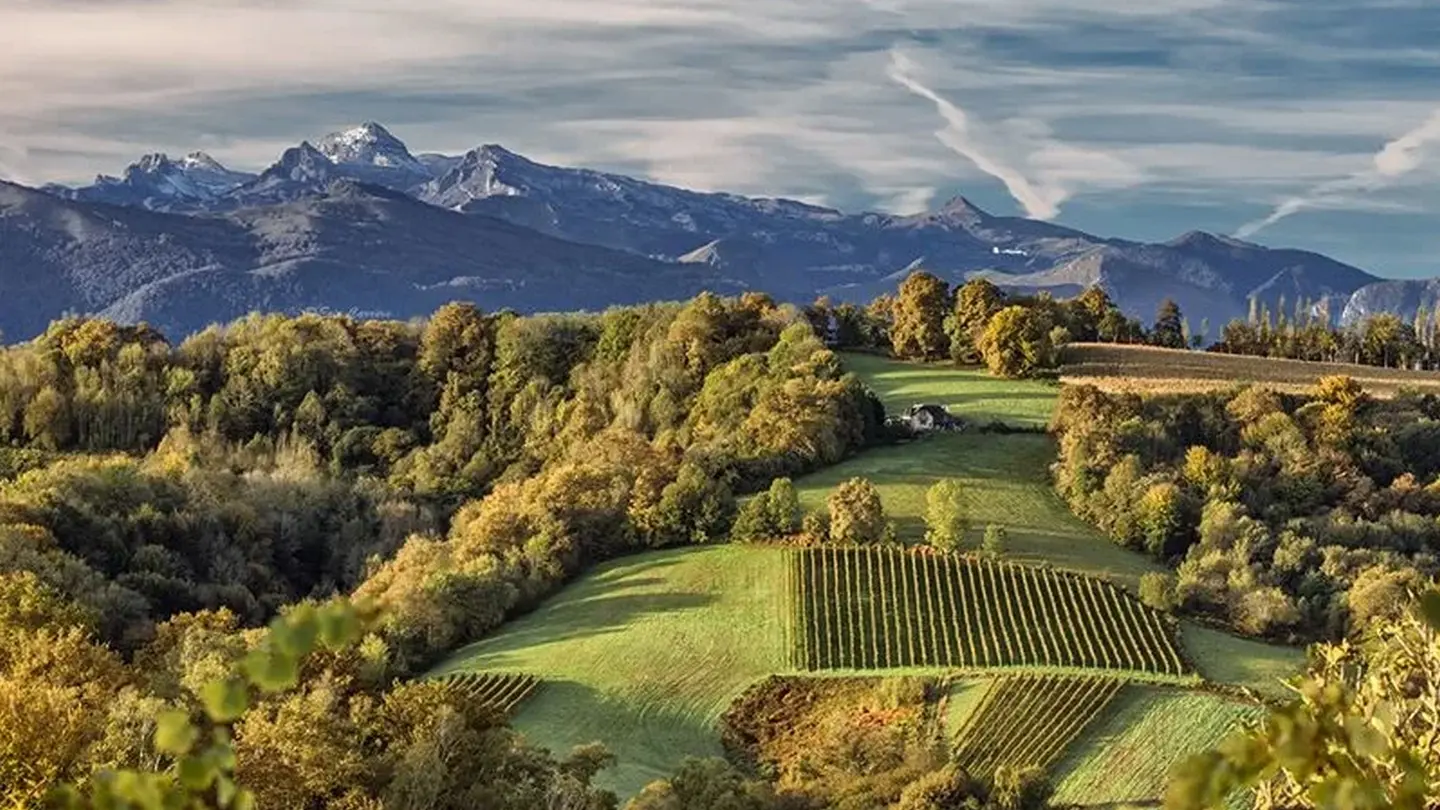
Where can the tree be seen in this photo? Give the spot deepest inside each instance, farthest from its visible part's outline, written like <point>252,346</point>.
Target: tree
<point>995,541</point>
<point>705,784</point>
<point>857,515</point>
<point>1169,329</point>
<point>1157,590</point>
<point>945,518</point>
<point>783,505</point>
<point>815,527</point>
<point>918,330</point>
<point>1017,342</point>
<point>754,521</point>
<point>975,302</point>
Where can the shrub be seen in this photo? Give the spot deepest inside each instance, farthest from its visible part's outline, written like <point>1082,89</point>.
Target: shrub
<point>945,515</point>
<point>995,540</point>
<point>856,513</point>
<point>1157,590</point>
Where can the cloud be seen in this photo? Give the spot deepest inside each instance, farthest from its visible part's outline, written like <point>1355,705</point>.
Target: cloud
<point>1060,167</point>
<point>1396,159</point>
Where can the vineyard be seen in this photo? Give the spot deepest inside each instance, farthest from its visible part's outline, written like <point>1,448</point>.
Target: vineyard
<point>502,692</point>
<point>876,608</point>
<point>1027,721</point>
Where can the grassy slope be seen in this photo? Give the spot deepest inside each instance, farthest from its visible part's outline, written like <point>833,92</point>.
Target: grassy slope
<point>1007,481</point>
<point>644,655</point>
<point>969,392</point>
<point>1127,754</point>
<point>1253,664</point>
<point>1004,480</point>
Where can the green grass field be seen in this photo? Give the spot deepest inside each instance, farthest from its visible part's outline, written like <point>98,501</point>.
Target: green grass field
<point>644,655</point>
<point>1126,756</point>
<point>1005,480</point>
<point>1255,665</point>
<point>969,391</point>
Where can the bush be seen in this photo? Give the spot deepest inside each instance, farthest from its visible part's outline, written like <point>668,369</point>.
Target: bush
<point>1157,590</point>
<point>945,515</point>
<point>815,527</point>
<point>856,513</point>
<point>995,540</point>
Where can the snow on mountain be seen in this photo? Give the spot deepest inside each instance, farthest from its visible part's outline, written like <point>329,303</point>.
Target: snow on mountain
<point>157,182</point>
<point>791,249</point>
<point>370,144</point>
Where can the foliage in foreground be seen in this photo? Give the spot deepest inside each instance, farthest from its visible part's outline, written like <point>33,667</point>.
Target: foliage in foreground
<point>1362,734</point>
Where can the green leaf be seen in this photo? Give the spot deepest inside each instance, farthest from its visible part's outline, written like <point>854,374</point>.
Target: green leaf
<point>196,773</point>
<point>295,633</point>
<point>244,800</point>
<point>225,701</point>
<point>1365,739</point>
<point>1430,608</point>
<point>174,734</point>
<point>271,670</point>
<point>338,628</point>
<point>224,790</point>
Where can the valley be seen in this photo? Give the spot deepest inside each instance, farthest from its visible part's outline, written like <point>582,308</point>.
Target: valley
<point>647,653</point>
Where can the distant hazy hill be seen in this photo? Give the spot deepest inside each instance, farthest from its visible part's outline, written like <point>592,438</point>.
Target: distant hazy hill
<point>790,249</point>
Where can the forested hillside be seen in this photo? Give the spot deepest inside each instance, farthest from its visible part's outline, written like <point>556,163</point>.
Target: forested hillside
<point>1283,515</point>
<point>159,499</point>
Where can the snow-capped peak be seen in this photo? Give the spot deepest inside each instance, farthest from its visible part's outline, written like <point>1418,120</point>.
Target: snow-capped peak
<point>369,144</point>
<point>200,160</point>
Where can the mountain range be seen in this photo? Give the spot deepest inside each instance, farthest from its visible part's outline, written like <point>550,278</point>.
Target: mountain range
<point>356,222</point>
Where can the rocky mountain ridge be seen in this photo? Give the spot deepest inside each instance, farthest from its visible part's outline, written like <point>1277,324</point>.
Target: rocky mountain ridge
<point>792,249</point>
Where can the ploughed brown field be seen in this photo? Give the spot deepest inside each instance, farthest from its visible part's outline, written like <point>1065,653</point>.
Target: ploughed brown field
<point>1147,369</point>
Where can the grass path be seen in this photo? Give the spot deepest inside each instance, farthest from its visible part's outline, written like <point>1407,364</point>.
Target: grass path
<point>645,654</point>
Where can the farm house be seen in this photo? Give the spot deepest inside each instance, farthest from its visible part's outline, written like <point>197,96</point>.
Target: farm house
<point>927,417</point>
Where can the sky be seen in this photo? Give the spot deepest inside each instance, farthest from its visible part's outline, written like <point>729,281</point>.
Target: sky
<point>1298,123</point>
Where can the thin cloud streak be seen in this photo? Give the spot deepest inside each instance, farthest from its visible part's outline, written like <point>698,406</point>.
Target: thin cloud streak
<point>1038,203</point>
<point>1396,159</point>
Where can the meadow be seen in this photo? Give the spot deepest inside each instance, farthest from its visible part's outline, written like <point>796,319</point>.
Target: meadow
<point>1004,479</point>
<point>969,392</point>
<point>644,654</point>
<point>1148,369</point>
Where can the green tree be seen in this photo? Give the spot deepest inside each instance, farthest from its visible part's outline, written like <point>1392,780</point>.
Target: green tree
<point>857,515</point>
<point>918,330</point>
<point>783,504</point>
<point>1017,342</point>
<point>755,521</point>
<point>945,516</point>
<point>705,784</point>
<point>1157,590</point>
<point>1169,330</point>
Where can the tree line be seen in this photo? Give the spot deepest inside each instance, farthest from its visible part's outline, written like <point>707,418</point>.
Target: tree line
<point>1283,516</point>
